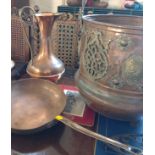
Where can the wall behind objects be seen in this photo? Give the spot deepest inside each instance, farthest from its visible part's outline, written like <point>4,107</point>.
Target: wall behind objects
<point>47,5</point>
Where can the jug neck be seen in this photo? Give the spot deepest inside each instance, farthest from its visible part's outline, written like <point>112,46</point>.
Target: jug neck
<point>45,22</point>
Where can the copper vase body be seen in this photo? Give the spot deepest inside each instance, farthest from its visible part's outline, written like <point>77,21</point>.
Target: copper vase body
<point>45,64</point>
<point>111,65</point>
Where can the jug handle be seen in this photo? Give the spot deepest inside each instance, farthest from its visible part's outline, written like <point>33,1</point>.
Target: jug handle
<point>28,22</point>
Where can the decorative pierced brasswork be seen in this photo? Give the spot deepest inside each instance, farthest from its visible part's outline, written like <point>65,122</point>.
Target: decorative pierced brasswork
<point>132,71</point>
<point>95,56</point>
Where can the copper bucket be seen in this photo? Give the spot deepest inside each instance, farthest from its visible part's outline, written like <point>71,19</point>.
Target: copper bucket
<point>111,65</point>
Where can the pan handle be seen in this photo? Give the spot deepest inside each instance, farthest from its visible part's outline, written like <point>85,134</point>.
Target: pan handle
<point>130,149</point>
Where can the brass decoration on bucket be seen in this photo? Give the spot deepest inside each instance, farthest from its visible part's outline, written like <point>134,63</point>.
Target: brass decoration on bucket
<point>95,57</point>
<point>132,71</point>
<point>111,65</point>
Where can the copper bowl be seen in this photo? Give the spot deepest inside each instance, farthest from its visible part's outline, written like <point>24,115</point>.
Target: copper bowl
<point>111,65</point>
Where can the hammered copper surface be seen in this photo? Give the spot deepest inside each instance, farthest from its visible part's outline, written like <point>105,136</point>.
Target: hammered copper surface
<point>34,103</point>
<point>45,63</point>
<point>111,65</point>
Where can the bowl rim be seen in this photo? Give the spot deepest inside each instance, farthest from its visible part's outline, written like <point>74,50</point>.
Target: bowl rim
<point>87,18</point>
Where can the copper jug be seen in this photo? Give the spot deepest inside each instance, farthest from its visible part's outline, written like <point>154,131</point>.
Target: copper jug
<point>45,64</point>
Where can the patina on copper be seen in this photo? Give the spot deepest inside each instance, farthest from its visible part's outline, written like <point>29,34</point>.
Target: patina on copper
<point>111,65</point>
<point>35,102</point>
<point>45,64</point>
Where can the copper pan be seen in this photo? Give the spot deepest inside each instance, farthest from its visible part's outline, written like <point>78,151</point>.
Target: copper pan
<point>35,103</point>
